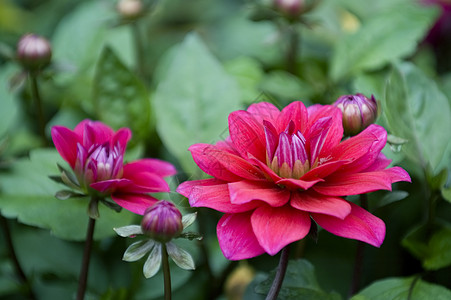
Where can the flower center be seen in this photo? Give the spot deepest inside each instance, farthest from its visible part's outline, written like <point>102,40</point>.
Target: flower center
<point>285,152</point>
<point>99,163</point>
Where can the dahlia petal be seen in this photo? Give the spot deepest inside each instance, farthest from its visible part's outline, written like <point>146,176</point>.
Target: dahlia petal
<point>361,150</point>
<point>271,137</point>
<point>317,203</point>
<point>323,170</point>
<point>145,182</point>
<point>236,237</point>
<point>65,141</point>
<point>242,192</point>
<point>296,112</point>
<point>121,137</point>
<point>359,225</point>
<point>213,194</point>
<point>295,184</point>
<point>379,164</point>
<point>247,135</point>
<point>151,165</point>
<point>111,185</point>
<point>222,164</point>
<point>267,170</point>
<point>335,131</point>
<point>226,145</point>
<point>360,183</point>
<point>94,132</point>
<point>277,227</point>
<point>136,203</point>
<point>264,111</point>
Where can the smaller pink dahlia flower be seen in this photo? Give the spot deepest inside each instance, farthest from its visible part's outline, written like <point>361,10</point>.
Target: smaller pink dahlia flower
<point>96,153</point>
<point>280,170</point>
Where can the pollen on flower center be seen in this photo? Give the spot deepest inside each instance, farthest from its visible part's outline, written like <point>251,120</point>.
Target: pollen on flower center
<point>285,152</point>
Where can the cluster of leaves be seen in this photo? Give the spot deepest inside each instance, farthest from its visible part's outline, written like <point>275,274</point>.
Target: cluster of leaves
<point>201,61</point>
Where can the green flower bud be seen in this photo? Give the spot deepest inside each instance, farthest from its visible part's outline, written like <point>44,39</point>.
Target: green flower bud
<point>33,52</point>
<point>162,221</point>
<point>358,112</point>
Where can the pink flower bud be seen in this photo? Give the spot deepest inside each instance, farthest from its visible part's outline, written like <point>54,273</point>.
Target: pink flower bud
<point>34,52</point>
<point>130,9</point>
<point>291,8</point>
<point>162,221</point>
<point>358,112</point>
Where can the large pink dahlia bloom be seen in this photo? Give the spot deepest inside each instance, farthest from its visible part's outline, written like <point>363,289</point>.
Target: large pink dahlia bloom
<point>280,169</point>
<point>95,152</point>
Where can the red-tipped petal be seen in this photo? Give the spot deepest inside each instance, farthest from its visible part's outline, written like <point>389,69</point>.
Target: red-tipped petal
<point>335,132</point>
<point>242,192</point>
<point>93,132</point>
<point>151,165</point>
<point>213,194</point>
<point>264,111</point>
<point>122,136</point>
<point>223,164</point>
<point>277,227</point>
<point>65,141</point>
<point>361,150</point>
<point>359,225</point>
<point>296,112</point>
<point>236,237</point>
<point>317,203</point>
<point>360,183</point>
<point>136,203</point>
<point>247,135</point>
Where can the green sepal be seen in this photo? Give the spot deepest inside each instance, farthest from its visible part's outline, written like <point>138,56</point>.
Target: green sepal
<point>181,257</point>
<point>66,194</point>
<point>111,205</point>
<point>188,219</point>
<point>191,236</point>
<point>128,231</point>
<point>153,262</point>
<point>93,209</point>
<point>137,250</point>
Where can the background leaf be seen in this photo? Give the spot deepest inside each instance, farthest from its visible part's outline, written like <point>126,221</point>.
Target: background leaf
<point>193,100</point>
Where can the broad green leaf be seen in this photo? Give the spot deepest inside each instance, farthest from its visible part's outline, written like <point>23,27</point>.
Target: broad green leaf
<point>299,283</point>
<point>28,194</point>
<point>120,98</point>
<point>399,289</point>
<point>8,101</point>
<point>431,245</point>
<point>416,110</point>
<point>386,36</point>
<point>193,100</point>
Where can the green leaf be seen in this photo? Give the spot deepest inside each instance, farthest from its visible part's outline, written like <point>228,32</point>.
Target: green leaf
<point>8,101</point>
<point>408,109</point>
<point>193,100</point>
<point>431,245</point>
<point>120,98</point>
<point>286,85</point>
<point>181,257</point>
<point>29,195</point>
<point>299,283</point>
<point>399,289</point>
<point>137,250</point>
<point>377,42</point>
<point>153,262</point>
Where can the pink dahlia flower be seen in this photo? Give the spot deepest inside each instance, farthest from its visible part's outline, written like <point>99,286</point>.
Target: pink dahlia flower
<point>280,169</point>
<point>96,153</point>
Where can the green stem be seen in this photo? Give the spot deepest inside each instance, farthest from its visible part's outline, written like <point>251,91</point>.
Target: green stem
<point>139,48</point>
<point>281,270</point>
<point>83,278</point>
<point>14,259</point>
<point>166,273</point>
<point>358,261</point>
<point>293,48</point>
<point>38,102</point>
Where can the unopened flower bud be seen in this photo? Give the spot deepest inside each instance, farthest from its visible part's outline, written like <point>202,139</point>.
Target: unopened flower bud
<point>290,8</point>
<point>130,9</point>
<point>34,52</point>
<point>358,112</point>
<point>162,221</point>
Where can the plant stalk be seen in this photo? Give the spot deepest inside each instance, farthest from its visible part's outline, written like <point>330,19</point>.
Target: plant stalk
<point>83,278</point>
<point>293,48</point>
<point>39,109</point>
<point>166,273</point>
<point>12,254</point>
<point>281,270</point>
<point>139,48</point>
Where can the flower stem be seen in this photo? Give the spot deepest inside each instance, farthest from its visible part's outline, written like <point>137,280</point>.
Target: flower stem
<point>13,256</point>
<point>38,102</point>
<point>83,278</point>
<point>281,270</point>
<point>139,48</point>
<point>358,261</point>
<point>167,273</point>
<point>292,51</point>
